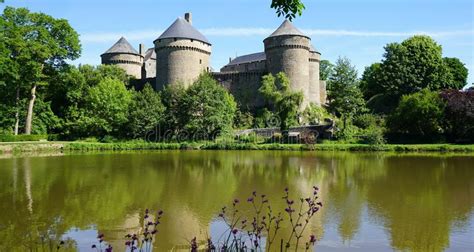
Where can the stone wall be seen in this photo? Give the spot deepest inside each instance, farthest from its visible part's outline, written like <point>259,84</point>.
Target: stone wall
<point>244,87</point>
<point>149,69</point>
<point>246,67</point>
<point>290,54</point>
<point>314,89</point>
<point>180,61</point>
<point>322,92</point>
<point>131,63</point>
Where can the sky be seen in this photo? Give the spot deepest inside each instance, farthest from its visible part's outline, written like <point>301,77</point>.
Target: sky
<point>356,29</point>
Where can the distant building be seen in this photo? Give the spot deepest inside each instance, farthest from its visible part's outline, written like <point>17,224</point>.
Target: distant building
<point>181,53</point>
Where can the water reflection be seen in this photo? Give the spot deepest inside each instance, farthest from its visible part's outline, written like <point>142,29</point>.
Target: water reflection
<point>372,201</point>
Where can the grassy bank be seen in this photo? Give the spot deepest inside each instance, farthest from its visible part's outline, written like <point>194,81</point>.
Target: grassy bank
<point>25,147</point>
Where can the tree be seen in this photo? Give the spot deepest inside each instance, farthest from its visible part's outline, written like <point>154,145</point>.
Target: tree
<point>369,83</point>
<point>286,103</point>
<point>413,65</point>
<point>459,114</point>
<point>288,8</point>
<point>418,114</point>
<point>145,113</point>
<point>174,116</point>
<point>458,72</point>
<point>325,69</point>
<point>107,109</point>
<point>39,45</point>
<point>344,96</point>
<point>210,109</point>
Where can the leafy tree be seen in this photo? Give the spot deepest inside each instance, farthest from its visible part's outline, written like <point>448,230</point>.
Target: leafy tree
<point>276,90</point>
<point>344,96</point>
<point>459,114</point>
<point>39,45</point>
<point>210,109</point>
<point>314,114</point>
<point>107,109</point>
<point>369,83</point>
<point>458,72</point>
<point>288,8</point>
<point>145,112</point>
<point>418,114</point>
<point>243,120</point>
<point>174,116</point>
<point>325,69</point>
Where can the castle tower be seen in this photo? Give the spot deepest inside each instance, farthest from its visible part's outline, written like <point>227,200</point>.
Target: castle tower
<point>287,50</point>
<point>314,86</point>
<point>182,54</point>
<point>123,55</point>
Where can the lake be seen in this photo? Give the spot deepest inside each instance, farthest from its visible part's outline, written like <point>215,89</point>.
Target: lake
<point>371,201</point>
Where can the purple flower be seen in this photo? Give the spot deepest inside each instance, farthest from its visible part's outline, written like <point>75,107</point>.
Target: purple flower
<point>160,212</point>
<point>108,249</point>
<point>312,239</point>
<point>234,231</point>
<point>127,243</point>
<point>94,246</point>
<point>100,236</point>
<point>250,199</point>
<point>320,204</point>
<point>154,231</point>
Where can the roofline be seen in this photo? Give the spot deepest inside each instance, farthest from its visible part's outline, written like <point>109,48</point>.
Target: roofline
<point>287,35</point>
<point>183,38</point>
<point>123,53</point>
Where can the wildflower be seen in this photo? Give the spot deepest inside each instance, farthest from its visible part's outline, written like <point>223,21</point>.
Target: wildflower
<point>234,231</point>
<point>312,239</point>
<point>154,232</point>
<point>127,243</point>
<point>160,212</point>
<point>94,246</point>
<point>254,193</point>
<point>100,236</point>
<point>108,249</point>
<point>250,199</point>
<point>320,204</point>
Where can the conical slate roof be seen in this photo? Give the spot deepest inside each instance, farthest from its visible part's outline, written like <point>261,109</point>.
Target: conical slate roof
<point>182,29</point>
<point>287,28</point>
<point>122,46</point>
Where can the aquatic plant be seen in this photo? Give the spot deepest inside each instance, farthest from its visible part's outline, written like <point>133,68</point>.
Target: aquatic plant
<point>143,240</point>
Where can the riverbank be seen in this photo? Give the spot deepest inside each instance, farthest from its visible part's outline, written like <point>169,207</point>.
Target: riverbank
<point>58,146</point>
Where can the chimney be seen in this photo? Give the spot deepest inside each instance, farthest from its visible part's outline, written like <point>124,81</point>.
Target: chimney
<point>189,17</point>
<point>141,49</point>
<point>230,59</point>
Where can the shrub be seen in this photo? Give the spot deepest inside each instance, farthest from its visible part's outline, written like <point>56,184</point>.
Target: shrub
<point>459,115</point>
<point>22,138</point>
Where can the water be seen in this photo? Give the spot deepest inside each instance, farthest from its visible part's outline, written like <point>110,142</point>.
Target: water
<point>378,202</point>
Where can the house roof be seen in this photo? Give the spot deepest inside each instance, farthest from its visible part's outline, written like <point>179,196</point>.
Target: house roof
<point>150,54</point>
<point>182,29</point>
<point>248,58</point>
<point>122,46</point>
<point>287,28</point>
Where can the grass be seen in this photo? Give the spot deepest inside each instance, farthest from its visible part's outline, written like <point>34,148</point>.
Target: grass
<point>28,147</point>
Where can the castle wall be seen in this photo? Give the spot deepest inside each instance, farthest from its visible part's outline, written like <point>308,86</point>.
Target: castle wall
<point>244,87</point>
<point>290,54</point>
<point>131,63</point>
<point>180,61</point>
<point>246,67</point>
<point>314,89</point>
<point>322,92</point>
<point>149,69</point>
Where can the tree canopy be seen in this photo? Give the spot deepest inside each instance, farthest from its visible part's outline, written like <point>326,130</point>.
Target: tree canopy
<point>288,8</point>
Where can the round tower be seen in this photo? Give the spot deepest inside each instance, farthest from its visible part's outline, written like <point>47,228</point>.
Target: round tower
<point>182,54</point>
<point>314,86</point>
<point>287,50</point>
<point>123,55</point>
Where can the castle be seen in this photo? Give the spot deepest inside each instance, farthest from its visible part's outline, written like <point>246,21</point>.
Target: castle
<point>181,53</point>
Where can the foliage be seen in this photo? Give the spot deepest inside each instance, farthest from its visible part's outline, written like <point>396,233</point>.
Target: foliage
<point>326,69</point>
<point>288,8</point>
<point>107,110</point>
<point>265,118</point>
<point>276,90</point>
<point>174,116</point>
<point>459,115</point>
<point>420,114</point>
<point>145,112</point>
<point>243,120</point>
<point>344,96</point>
<point>209,109</point>
<point>369,83</point>
<point>39,45</point>
<point>458,72</point>
<point>315,115</point>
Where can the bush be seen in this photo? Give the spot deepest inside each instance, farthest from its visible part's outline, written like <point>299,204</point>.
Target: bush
<point>23,138</point>
<point>373,136</point>
<point>459,115</point>
<point>418,114</point>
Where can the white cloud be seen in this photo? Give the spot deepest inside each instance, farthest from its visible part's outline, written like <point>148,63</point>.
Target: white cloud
<point>146,35</point>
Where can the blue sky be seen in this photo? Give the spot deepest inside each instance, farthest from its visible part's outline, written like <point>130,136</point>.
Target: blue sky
<point>354,29</point>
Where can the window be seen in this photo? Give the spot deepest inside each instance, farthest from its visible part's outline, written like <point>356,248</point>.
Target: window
<point>175,39</point>
<point>200,61</point>
<point>192,40</point>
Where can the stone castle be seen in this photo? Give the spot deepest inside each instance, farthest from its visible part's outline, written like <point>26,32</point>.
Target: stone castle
<point>181,53</point>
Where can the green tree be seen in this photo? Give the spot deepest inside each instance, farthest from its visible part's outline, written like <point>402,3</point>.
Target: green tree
<point>413,65</point>
<point>145,113</point>
<point>344,96</point>
<point>39,45</point>
<point>174,116</point>
<point>107,110</point>
<point>209,109</point>
<point>369,83</point>
<point>325,69</point>
<point>458,72</point>
<point>419,114</point>
<point>276,90</point>
<point>288,8</point>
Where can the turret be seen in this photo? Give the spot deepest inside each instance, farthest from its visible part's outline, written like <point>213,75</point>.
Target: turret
<point>314,95</point>
<point>287,50</point>
<point>182,54</point>
<point>123,55</point>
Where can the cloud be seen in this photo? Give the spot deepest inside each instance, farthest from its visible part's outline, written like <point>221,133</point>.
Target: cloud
<point>146,35</point>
